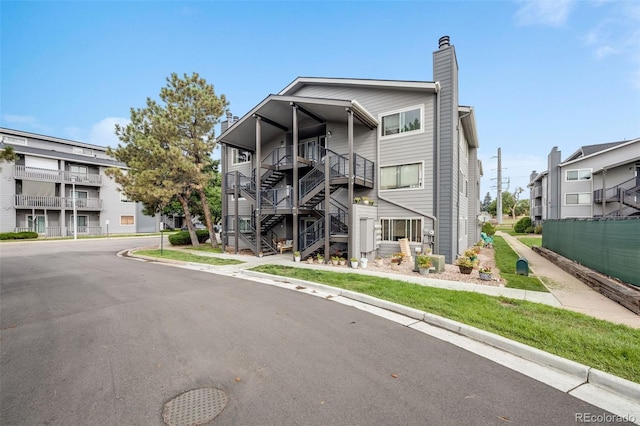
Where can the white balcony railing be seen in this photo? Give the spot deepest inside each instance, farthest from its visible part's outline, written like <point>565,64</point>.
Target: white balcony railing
<point>45,201</point>
<point>46,175</point>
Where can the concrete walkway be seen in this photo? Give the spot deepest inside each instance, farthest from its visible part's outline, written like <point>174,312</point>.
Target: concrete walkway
<point>572,293</point>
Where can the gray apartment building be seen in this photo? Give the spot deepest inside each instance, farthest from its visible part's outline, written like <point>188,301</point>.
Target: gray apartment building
<point>37,191</point>
<point>601,180</point>
<point>351,166</point>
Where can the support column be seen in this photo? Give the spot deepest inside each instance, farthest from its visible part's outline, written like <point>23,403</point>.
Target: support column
<point>327,204</point>
<point>225,197</point>
<point>296,185</point>
<point>352,235</point>
<point>236,195</point>
<point>258,162</point>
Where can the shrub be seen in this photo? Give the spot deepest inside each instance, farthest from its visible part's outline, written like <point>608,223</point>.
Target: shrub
<point>537,229</point>
<point>182,238</point>
<point>18,235</point>
<point>523,226</point>
<point>488,228</point>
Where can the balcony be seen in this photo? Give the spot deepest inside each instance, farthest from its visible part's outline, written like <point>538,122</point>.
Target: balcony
<point>49,202</point>
<point>46,175</point>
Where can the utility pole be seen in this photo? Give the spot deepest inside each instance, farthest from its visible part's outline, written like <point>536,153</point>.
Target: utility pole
<point>499,199</point>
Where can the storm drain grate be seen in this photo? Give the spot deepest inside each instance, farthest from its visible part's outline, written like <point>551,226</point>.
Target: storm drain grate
<point>194,407</point>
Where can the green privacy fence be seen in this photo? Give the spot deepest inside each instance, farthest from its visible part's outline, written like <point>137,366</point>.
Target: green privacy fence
<point>609,246</point>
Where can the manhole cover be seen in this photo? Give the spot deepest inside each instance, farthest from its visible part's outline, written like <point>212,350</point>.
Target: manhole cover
<point>194,407</point>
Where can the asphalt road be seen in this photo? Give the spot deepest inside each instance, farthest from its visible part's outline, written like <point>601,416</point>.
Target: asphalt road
<point>92,339</point>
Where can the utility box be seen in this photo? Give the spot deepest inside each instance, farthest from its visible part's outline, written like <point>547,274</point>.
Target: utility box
<point>522,266</point>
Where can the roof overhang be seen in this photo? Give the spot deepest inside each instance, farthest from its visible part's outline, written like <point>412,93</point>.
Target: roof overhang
<point>468,119</point>
<point>277,116</point>
<point>300,82</point>
<point>573,159</point>
<point>632,160</point>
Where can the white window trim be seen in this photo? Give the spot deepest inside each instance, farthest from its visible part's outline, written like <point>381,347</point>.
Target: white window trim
<point>420,219</point>
<point>402,134</point>
<point>13,140</point>
<point>128,224</point>
<point>566,175</point>
<point>578,194</point>
<point>419,187</point>
<point>234,155</point>
<point>124,198</point>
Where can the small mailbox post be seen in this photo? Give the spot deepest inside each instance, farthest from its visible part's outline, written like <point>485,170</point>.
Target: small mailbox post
<point>522,266</point>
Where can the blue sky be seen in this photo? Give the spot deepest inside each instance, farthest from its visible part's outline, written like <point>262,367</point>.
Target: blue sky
<point>538,73</point>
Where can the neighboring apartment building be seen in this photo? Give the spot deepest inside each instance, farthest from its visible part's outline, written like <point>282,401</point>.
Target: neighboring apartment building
<point>36,192</point>
<point>295,164</point>
<point>596,181</point>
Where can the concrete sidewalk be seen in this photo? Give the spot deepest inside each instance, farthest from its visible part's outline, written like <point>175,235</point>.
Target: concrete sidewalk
<point>572,293</point>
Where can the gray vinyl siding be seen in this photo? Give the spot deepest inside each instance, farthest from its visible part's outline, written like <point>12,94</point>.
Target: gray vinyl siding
<point>61,151</point>
<point>405,149</point>
<point>7,190</point>
<point>445,70</point>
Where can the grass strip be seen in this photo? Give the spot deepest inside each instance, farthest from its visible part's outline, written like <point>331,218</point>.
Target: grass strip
<point>600,344</point>
<point>188,257</point>
<point>206,248</point>
<point>531,241</point>
<point>505,259</point>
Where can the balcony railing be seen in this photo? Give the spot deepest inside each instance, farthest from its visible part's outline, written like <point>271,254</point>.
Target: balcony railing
<point>45,201</point>
<point>46,175</point>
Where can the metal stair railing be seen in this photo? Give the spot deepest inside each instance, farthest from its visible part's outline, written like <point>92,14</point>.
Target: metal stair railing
<point>311,234</point>
<point>363,168</point>
<point>631,198</point>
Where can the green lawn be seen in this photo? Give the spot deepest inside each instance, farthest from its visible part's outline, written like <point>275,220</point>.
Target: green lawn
<point>531,241</point>
<point>600,344</point>
<point>188,257</point>
<point>506,259</point>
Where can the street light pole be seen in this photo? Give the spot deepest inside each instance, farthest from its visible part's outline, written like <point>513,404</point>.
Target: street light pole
<point>75,211</point>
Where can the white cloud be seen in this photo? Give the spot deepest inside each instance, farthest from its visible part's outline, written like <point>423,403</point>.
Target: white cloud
<point>543,12</point>
<point>617,33</point>
<point>103,132</point>
<point>24,123</point>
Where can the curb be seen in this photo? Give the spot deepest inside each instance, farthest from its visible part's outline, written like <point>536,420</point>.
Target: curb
<point>584,374</point>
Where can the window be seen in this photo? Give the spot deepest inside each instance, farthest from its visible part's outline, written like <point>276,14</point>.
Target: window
<point>395,229</point>
<point>575,175</point>
<point>580,198</point>
<point>78,170</point>
<point>124,198</point>
<point>83,222</point>
<point>409,120</point>
<point>82,151</point>
<point>240,156</point>
<point>12,140</point>
<point>402,176</point>
<point>244,225</point>
<point>127,220</point>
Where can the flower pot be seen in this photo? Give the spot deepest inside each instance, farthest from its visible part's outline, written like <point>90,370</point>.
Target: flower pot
<point>296,258</point>
<point>379,262</point>
<point>334,262</point>
<point>363,262</point>
<point>424,271</point>
<point>394,266</point>
<point>485,276</point>
<point>343,262</point>
<point>465,269</point>
<point>354,265</point>
<point>310,260</point>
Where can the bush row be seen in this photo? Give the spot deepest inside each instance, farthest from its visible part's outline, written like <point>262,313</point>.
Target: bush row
<point>18,235</point>
<point>182,238</point>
